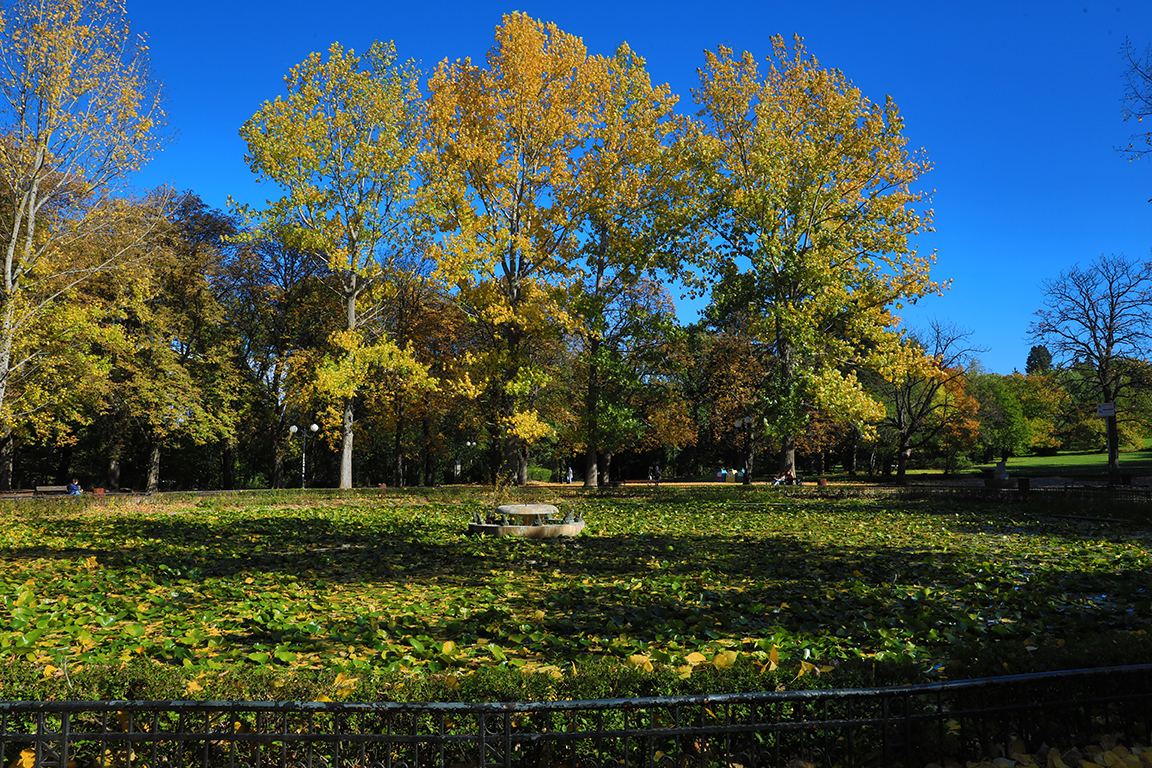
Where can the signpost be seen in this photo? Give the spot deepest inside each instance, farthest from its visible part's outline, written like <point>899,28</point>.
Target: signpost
<point>1104,410</point>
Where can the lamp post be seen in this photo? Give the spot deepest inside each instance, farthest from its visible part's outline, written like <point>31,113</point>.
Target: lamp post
<point>747,423</point>
<point>471,445</point>
<point>292,430</point>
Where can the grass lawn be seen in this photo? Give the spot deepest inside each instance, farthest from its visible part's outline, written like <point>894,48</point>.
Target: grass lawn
<point>659,581</point>
<point>1080,464</point>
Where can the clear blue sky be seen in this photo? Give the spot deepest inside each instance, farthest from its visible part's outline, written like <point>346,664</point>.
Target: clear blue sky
<point>1017,103</point>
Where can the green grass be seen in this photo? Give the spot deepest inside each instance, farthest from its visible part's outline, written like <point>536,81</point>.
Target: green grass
<point>658,583</point>
<point>1082,464</point>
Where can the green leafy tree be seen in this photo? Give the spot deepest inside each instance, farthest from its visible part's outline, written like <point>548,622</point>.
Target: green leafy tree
<point>1003,428</point>
<point>276,303</point>
<point>173,375</point>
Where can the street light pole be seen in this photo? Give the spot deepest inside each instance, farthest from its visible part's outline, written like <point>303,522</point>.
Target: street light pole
<point>292,430</point>
<point>748,453</point>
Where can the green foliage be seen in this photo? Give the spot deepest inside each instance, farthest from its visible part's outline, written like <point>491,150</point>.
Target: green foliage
<point>540,474</point>
<point>1003,429</point>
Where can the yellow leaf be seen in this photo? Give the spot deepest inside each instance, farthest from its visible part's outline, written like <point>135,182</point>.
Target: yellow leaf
<point>641,661</point>
<point>193,687</point>
<point>695,658</point>
<point>448,648</point>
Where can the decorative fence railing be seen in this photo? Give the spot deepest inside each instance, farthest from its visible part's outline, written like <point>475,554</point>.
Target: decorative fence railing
<point>910,726</point>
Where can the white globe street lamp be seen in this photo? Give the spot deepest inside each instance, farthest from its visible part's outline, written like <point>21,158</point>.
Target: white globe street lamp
<point>292,430</point>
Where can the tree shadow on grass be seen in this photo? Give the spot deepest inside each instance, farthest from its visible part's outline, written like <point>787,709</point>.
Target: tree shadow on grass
<point>653,588</point>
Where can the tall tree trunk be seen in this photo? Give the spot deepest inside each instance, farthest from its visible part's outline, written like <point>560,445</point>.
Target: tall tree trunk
<point>351,291</point>
<point>591,471</point>
<point>63,466</point>
<point>398,445</point>
<point>278,464</point>
<point>429,460</point>
<point>152,483</point>
<point>346,446</point>
<point>788,455</point>
<point>592,409</point>
<point>510,459</point>
<point>114,453</point>
<point>7,331</point>
<point>228,464</point>
<point>7,452</point>
<point>903,454</point>
<point>510,448</point>
<point>279,448</point>
<point>607,468</point>
<point>749,455</point>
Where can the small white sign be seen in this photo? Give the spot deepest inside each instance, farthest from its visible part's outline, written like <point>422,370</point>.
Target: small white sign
<point>1104,410</point>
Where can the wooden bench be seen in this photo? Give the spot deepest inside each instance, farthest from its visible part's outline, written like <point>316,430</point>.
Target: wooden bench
<point>50,490</point>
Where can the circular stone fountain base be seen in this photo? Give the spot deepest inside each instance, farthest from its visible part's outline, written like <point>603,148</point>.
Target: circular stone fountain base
<point>528,521</point>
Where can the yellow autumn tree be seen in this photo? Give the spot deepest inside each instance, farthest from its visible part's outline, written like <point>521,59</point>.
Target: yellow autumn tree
<point>343,145</point>
<point>628,189</point>
<point>553,185</point>
<point>808,209</point>
<point>918,388</point>
<point>506,137</point>
<point>79,114</point>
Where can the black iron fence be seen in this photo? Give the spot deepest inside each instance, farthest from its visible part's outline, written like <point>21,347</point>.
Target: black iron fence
<point>1064,495</point>
<point>910,726</point>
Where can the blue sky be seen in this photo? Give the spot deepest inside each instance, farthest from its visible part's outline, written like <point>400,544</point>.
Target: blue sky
<point>1017,103</point>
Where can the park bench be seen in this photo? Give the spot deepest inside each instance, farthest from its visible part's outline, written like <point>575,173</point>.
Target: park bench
<point>50,490</point>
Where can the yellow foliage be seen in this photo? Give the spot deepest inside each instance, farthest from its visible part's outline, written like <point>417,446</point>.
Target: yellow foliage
<point>527,426</point>
<point>806,194</point>
<point>641,661</point>
<point>345,684</point>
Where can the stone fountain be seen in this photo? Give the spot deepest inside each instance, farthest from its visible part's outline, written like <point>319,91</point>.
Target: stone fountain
<point>528,521</point>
